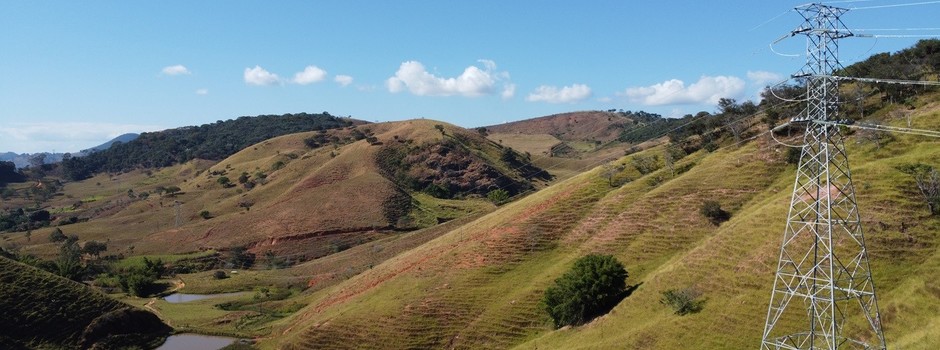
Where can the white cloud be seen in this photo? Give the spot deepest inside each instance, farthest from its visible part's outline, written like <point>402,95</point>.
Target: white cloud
<point>762,78</point>
<point>310,75</point>
<point>474,81</point>
<point>62,136</point>
<point>178,69</point>
<point>260,76</point>
<point>343,80</point>
<point>707,90</point>
<point>509,90</point>
<point>202,91</point>
<point>552,94</point>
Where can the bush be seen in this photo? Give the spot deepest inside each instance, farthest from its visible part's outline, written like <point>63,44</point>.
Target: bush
<point>712,210</point>
<point>57,235</point>
<point>137,283</point>
<point>683,301</point>
<point>645,164</point>
<point>498,196</point>
<point>205,215</point>
<point>593,286</point>
<point>793,155</point>
<point>927,180</point>
<point>219,274</point>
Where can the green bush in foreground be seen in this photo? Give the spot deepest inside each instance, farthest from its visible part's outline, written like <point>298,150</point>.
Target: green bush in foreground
<point>593,286</point>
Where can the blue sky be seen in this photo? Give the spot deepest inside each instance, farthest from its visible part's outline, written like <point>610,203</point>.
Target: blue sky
<point>73,74</point>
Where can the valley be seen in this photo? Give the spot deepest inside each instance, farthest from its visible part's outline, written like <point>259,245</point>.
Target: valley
<point>319,232</point>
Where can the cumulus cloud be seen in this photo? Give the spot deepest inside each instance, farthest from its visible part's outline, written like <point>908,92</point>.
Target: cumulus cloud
<point>763,78</point>
<point>474,81</point>
<point>62,136</point>
<point>202,91</point>
<point>310,75</point>
<point>707,90</point>
<point>509,90</point>
<point>553,94</point>
<point>343,80</point>
<point>178,69</point>
<point>260,76</point>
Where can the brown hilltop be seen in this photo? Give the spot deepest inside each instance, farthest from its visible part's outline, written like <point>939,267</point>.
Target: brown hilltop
<point>574,126</point>
<point>344,190</point>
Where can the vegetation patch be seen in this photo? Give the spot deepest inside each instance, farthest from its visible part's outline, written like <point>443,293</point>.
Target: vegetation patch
<point>591,288</point>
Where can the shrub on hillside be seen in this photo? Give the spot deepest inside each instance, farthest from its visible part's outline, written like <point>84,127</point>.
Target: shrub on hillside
<point>927,180</point>
<point>645,164</point>
<point>712,210</point>
<point>57,236</point>
<point>137,283</point>
<point>498,196</point>
<point>594,285</point>
<point>684,302</point>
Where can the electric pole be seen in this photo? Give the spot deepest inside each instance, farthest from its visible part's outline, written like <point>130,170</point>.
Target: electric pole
<point>823,295</point>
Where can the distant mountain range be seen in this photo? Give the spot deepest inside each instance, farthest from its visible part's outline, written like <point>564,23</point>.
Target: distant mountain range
<point>22,159</point>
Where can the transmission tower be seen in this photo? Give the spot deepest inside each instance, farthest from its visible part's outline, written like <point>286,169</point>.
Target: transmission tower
<point>823,295</point>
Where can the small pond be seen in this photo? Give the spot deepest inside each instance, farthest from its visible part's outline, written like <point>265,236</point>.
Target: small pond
<point>185,298</point>
<point>189,341</point>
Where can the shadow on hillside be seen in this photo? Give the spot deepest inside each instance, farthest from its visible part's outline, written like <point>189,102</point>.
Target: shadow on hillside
<point>628,291</point>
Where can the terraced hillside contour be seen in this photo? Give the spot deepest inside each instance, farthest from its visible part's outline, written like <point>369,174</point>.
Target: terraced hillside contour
<point>42,310</point>
<point>480,285</point>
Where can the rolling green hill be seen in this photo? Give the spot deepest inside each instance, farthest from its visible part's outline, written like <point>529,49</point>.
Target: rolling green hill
<point>480,285</point>
<point>41,310</point>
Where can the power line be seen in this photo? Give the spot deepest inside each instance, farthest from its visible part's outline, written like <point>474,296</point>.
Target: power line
<point>895,5</point>
<point>889,29</point>
<point>900,36</point>
<point>884,81</point>
<point>878,127</point>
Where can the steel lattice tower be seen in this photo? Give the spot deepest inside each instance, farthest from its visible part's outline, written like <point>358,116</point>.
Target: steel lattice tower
<point>823,296</point>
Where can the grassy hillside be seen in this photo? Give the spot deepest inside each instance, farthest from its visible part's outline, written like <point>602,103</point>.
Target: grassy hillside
<point>299,197</point>
<point>42,310</point>
<point>567,144</point>
<point>480,285</point>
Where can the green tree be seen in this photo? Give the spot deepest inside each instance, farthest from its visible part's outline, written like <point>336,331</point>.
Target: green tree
<point>172,190</point>
<point>94,248</point>
<point>224,181</point>
<point>241,258</point>
<point>137,283</point>
<point>69,264</point>
<point>594,285</point>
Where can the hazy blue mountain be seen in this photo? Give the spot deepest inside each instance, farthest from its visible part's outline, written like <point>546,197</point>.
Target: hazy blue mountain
<point>22,159</point>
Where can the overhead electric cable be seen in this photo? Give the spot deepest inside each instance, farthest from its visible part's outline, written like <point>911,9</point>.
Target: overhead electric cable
<point>885,81</point>
<point>895,5</point>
